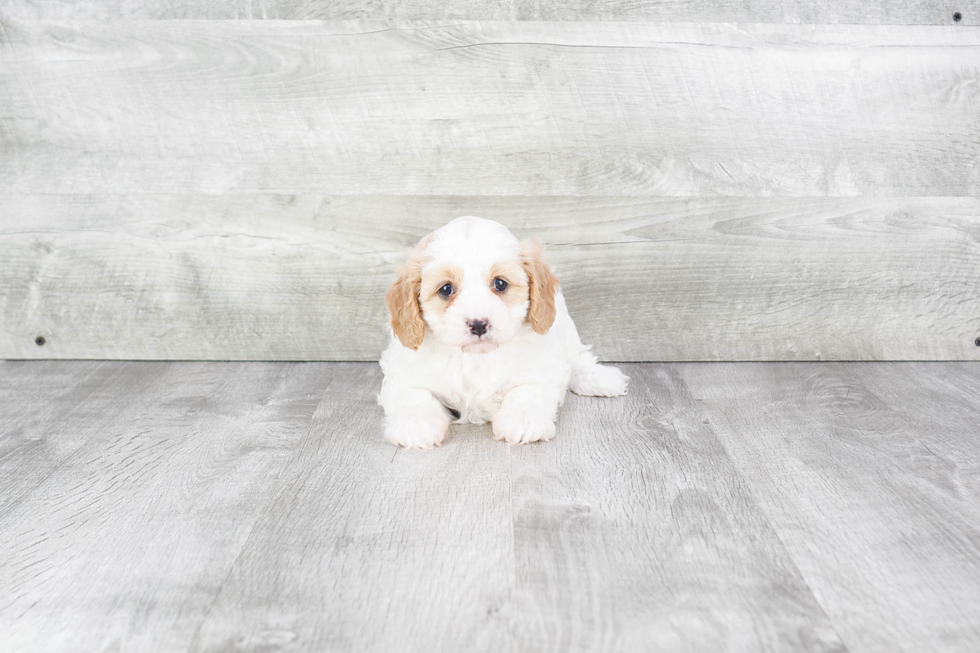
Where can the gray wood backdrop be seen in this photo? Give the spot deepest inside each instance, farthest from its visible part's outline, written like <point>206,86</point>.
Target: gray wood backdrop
<point>713,181</point>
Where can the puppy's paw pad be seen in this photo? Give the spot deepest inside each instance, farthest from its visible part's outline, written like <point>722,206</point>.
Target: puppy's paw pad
<point>516,428</point>
<point>599,381</point>
<point>418,433</point>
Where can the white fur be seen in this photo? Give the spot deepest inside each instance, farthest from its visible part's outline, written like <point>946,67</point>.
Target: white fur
<point>511,376</point>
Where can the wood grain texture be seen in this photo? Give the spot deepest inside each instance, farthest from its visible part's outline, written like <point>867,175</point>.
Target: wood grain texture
<point>57,392</point>
<point>303,276</point>
<point>211,512</point>
<point>483,547</point>
<point>49,393</point>
<point>902,12</point>
<point>367,548</point>
<point>882,527</point>
<point>644,480</point>
<point>197,189</point>
<point>719,507</point>
<point>144,499</point>
<point>939,404</point>
<point>488,108</point>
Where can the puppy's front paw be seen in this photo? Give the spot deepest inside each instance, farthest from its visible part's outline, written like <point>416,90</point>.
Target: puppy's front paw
<point>516,427</point>
<point>416,432</point>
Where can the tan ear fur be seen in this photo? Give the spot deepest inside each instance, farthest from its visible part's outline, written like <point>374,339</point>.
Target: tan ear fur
<point>402,299</point>
<point>542,286</point>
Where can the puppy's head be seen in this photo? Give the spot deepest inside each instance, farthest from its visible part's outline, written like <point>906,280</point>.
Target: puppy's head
<point>472,285</point>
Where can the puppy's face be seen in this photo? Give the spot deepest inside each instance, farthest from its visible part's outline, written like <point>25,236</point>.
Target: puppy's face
<point>471,285</point>
<point>476,307</point>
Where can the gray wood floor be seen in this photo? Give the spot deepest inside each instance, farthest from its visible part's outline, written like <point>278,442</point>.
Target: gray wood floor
<point>254,506</point>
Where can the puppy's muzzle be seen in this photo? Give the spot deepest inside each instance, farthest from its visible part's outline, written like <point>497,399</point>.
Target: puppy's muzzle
<point>478,327</point>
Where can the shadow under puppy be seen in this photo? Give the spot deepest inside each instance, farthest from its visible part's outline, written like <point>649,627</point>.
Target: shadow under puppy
<point>480,333</point>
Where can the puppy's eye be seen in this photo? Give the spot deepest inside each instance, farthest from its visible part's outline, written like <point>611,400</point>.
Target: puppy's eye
<point>500,285</point>
<point>446,291</point>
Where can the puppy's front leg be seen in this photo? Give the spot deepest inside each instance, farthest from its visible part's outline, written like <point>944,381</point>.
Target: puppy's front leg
<point>414,419</point>
<point>527,414</point>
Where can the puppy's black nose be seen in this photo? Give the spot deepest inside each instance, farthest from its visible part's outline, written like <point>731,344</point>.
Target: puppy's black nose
<point>477,327</point>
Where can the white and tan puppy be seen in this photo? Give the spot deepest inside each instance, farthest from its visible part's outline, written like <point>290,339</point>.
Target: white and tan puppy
<point>480,333</point>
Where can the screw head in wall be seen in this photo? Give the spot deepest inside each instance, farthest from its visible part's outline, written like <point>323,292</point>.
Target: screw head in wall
<point>957,17</point>
<point>977,342</point>
<point>39,341</point>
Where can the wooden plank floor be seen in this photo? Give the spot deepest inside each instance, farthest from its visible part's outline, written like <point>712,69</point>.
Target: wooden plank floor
<point>254,506</point>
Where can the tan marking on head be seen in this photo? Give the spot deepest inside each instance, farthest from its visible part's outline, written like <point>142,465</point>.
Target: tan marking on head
<point>402,298</point>
<point>517,279</point>
<point>435,278</point>
<point>542,286</point>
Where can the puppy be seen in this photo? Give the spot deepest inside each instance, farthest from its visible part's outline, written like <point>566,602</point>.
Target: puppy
<point>480,333</point>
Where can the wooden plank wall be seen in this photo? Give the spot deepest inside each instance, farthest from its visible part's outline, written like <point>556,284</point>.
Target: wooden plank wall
<point>713,181</point>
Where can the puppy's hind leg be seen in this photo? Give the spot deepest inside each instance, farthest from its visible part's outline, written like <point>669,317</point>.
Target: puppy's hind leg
<point>591,379</point>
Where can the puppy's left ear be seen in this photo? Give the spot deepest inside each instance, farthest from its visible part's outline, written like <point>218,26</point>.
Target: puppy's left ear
<point>542,286</point>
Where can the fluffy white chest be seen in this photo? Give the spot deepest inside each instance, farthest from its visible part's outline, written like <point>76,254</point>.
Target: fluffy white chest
<point>472,386</point>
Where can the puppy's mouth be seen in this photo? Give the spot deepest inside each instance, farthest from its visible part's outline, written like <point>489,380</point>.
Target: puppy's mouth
<point>480,346</point>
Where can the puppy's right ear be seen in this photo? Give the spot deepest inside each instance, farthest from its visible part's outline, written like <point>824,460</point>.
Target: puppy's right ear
<point>402,300</point>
